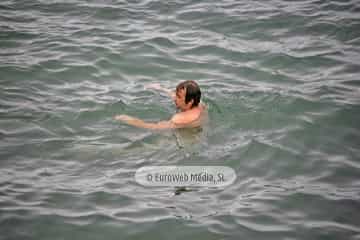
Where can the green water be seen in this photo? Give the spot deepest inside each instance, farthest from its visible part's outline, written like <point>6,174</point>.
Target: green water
<point>281,82</point>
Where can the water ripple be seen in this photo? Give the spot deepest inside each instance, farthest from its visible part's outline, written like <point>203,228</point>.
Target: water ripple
<point>280,80</point>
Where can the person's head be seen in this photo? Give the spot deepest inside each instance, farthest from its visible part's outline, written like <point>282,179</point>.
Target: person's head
<point>188,95</point>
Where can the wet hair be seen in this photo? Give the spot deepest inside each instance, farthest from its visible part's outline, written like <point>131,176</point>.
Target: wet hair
<point>192,91</point>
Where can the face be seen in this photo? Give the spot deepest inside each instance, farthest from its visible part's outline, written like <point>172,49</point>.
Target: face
<point>180,100</point>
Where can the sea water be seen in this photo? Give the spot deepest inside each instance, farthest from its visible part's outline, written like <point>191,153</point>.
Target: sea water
<point>281,82</point>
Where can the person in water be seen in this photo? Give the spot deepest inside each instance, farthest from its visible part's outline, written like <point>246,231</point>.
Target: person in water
<point>187,100</point>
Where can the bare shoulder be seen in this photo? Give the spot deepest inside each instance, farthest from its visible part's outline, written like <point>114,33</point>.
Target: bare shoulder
<point>189,118</point>
<point>179,118</point>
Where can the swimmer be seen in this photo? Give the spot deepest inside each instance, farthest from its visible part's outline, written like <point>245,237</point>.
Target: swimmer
<point>187,100</point>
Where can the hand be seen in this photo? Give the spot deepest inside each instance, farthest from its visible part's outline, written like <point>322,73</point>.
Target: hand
<point>124,118</point>
<point>129,120</point>
<point>155,86</point>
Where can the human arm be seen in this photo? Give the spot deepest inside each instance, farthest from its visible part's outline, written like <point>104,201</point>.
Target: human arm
<point>136,122</point>
<point>158,87</point>
<point>179,120</point>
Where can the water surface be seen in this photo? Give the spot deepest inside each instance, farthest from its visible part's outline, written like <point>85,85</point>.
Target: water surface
<point>280,79</point>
